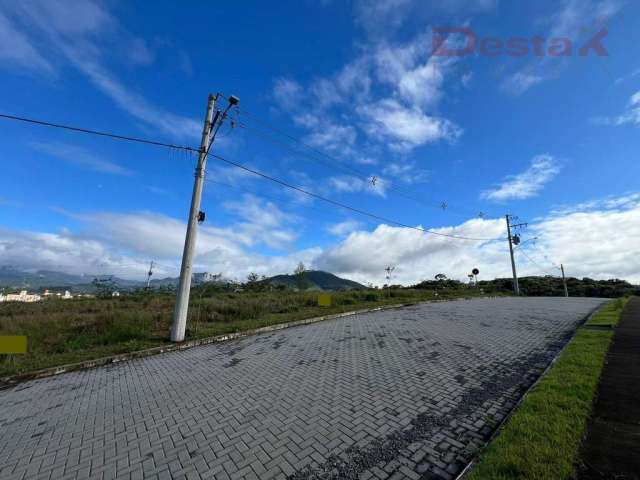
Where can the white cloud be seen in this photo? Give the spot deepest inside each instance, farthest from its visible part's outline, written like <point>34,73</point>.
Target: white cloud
<point>589,243</point>
<point>81,157</point>
<point>630,117</point>
<point>572,19</point>
<point>83,36</point>
<point>351,184</point>
<point>594,239</point>
<point>364,255</point>
<point>526,184</point>
<point>288,93</point>
<point>406,171</point>
<point>417,77</point>
<point>332,137</point>
<point>16,49</point>
<point>406,127</point>
<point>344,228</point>
<point>263,222</point>
<point>382,18</point>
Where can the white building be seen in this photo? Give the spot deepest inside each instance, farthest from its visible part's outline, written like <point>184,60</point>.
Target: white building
<point>66,295</point>
<point>23,296</point>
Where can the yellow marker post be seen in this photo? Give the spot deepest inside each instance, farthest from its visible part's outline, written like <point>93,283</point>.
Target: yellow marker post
<point>12,344</point>
<point>324,300</point>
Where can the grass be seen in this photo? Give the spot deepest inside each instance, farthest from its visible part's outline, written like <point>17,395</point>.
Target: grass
<point>68,331</point>
<point>542,438</point>
<point>610,313</point>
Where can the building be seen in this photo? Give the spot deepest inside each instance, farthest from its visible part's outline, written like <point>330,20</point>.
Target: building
<point>23,296</point>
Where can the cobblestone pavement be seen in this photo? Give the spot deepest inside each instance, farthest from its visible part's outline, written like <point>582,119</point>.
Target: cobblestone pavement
<point>407,393</point>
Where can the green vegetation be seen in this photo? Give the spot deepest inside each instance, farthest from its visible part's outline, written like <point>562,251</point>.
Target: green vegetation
<point>549,286</point>
<point>542,438</point>
<point>610,313</point>
<point>68,331</point>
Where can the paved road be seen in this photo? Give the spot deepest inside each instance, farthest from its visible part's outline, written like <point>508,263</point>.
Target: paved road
<point>407,393</point>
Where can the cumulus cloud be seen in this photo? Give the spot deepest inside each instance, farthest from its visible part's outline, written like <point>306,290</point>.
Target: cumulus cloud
<point>406,127</point>
<point>526,184</point>
<point>593,239</point>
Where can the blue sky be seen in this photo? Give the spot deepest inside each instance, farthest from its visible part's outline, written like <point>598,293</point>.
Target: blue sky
<point>552,139</point>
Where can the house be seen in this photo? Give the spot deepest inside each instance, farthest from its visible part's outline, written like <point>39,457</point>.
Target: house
<point>23,296</point>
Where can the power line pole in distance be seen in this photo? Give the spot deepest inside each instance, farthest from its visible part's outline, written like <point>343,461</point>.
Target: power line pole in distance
<point>211,127</point>
<point>564,281</point>
<point>149,273</point>
<point>512,240</point>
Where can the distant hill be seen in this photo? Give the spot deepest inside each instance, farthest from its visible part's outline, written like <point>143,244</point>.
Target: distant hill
<point>315,280</point>
<point>14,278</point>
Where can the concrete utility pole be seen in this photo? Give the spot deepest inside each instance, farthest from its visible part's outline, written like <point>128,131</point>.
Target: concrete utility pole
<point>179,324</point>
<point>149,274</point>
<point>564,281</point>
<point>211,127</point>
<point>516,287</point>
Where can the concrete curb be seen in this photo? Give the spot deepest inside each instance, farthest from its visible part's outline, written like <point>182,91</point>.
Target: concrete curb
<point>10,381</point>
<point>474,460</point>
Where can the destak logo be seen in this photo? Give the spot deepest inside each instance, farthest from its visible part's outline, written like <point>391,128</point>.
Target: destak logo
<point>515,46</point>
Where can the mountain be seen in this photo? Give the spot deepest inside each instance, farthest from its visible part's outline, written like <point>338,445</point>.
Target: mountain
<point>14,278</point>
<point>315,280</point>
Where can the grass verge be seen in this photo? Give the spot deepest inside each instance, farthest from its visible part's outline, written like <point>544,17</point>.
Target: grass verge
<point>610,313</point>
<point>68,331</point>
<point>542,438</point>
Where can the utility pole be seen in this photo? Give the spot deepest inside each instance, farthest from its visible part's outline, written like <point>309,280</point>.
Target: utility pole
<point>516,287</point>
<point>211,126</point>
<point>564,281</point>
<point>149,274</point>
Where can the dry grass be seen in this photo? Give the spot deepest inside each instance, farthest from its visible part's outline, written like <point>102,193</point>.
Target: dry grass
<point>67,331</point>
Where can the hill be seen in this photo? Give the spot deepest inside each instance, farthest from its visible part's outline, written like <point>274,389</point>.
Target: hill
<point>314,280</point>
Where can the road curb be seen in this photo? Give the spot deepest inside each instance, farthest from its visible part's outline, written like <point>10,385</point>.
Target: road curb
<point>474,460</point>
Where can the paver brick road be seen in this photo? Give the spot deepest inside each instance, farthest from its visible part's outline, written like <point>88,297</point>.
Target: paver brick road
<point>407,393</point>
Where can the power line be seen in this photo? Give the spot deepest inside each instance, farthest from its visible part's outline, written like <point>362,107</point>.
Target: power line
<point>340,204</point>
<point>237,165</point>
<point>97,132</point>
<point>519,250</point>
<point>338,163</point>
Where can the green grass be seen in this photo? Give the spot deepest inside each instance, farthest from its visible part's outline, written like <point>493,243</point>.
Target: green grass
<point>68,331</point>
<point>610,313</point>
<point>542,438</point>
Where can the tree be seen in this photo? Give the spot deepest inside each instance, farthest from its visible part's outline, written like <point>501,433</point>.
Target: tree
<point>299,273</point>
<point>104,286</point>
<point>441,277</point>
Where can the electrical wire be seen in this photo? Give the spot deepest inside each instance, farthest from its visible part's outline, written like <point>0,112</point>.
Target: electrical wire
<point>534,262</point>
<point>336,162</point>
<point>340,204</point>
<point>243,167</point>
<point>98,132</point>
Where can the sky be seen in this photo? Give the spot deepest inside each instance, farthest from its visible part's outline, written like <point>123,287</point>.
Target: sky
<point>438,116</point>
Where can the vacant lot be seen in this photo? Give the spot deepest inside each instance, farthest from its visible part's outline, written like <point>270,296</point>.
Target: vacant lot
<point>67,331</point>
<point>394,394</point>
